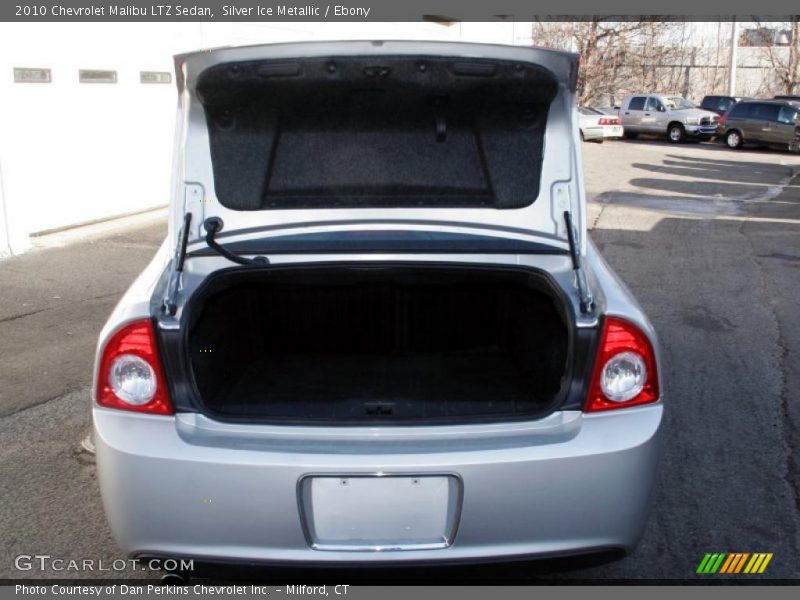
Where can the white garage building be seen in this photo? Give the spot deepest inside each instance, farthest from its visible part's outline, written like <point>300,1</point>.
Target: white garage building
<point>86,110</point>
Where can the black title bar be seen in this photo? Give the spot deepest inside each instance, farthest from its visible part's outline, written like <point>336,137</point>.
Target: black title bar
<point>439,11</point>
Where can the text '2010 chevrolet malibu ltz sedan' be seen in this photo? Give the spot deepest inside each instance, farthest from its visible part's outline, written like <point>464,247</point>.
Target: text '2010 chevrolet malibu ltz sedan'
<point>378,330</point>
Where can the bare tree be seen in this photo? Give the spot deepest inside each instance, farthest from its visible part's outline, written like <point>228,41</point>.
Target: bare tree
<point>603,47</point>
<point>623,56</point>
<point>783,57</point>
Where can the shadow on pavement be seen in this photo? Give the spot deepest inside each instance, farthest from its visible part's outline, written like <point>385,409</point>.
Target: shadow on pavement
<point>709,189</point>
<point>713,146</point>
<point>749,172</point>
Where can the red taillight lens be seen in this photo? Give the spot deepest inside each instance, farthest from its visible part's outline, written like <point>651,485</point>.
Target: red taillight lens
<point>625,368</point>
<point>610,121</point>
<point>130,376</point>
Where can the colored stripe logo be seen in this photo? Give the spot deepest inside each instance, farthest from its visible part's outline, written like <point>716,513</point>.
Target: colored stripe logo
<point>734,562</point>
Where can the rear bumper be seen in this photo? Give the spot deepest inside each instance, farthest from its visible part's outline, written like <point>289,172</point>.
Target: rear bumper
<point>592,133</point>
<point>613,131</point>
<point>584,485</point>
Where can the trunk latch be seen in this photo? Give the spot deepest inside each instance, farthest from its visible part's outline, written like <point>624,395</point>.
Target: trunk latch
<point>379,409</point>
<point>377,71</point>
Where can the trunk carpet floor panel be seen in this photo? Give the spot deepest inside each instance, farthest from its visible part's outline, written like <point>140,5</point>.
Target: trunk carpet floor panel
<point>365,386</point>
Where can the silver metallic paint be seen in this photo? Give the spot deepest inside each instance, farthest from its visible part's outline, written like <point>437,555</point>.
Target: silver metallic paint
<point>570,482</point>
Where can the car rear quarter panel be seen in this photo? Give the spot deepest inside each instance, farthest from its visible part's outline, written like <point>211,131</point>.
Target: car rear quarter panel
<point>615,299</point>
<point>135,302</point>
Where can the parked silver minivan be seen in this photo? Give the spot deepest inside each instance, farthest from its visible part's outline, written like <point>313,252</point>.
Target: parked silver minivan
<point>665,115</point>
<point>378,331</point>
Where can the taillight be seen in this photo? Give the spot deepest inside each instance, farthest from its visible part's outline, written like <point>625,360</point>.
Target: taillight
<point>625,368</point>
<point>130,376</point>
<point>612,121</point>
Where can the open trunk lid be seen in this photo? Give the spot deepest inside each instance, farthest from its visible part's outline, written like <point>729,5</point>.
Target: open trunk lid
<point>434,137</point>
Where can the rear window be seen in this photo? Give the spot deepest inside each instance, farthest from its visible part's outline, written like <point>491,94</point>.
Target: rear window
<point>741,110</point>
<point>376,132</point>
<point>637,103</point>
<point>652,104</point>
<point>725,104</point>
<point>768,112</point>
<point>720,103</point>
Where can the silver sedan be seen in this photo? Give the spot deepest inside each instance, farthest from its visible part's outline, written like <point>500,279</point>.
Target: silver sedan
<point>378,331</point>
<point>596,126</point>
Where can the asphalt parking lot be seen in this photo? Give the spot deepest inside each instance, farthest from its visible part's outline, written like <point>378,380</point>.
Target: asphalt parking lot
<point>707,238</point>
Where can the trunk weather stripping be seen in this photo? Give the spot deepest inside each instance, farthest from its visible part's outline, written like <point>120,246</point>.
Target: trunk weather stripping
<point>213,225</point>
<point>171,297</point>
<point>584,293</point>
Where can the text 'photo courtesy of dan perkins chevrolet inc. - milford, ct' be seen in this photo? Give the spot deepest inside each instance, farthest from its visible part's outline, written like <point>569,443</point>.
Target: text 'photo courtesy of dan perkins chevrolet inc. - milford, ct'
<point>189,10</point>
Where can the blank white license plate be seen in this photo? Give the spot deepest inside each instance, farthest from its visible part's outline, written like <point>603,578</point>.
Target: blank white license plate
<point>375,513</point>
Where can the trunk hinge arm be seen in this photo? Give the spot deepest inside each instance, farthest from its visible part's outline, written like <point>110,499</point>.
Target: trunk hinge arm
<point>173,284</point>
<point>581,281</point>
<point>213,225</point>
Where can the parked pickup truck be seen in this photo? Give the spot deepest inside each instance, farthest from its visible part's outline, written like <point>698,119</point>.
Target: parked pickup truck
<point>672,116</point>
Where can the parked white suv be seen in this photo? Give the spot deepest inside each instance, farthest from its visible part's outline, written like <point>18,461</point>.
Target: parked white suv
<point>672,116</point>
